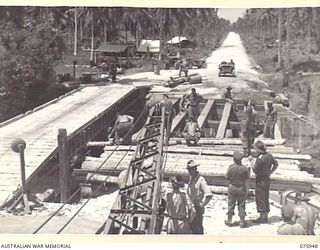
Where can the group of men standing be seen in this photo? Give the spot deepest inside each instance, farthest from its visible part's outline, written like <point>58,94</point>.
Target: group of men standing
<point>250,124</point>
<point>186,210</point>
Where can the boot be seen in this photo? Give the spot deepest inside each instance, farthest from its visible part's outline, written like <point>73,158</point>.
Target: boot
<point>259,220</point>
<point>243,223</point>
<point>264,218</point>
<point>228,222</point>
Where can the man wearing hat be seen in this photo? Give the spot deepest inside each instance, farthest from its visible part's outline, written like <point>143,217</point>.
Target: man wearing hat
<point>289,227</point>
<point>192,102</point>
<point>264,165</point>
<point>199,194</point>
<point>248,127</point>
<point>180,211</point>
<point>169,114</point>
<point>228,98</point>
<point>237,175</point>
<point>227,94</point>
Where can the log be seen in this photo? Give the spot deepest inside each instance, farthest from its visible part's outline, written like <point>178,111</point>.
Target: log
<point>275,149</point>
<point>99,178</point>
<point>207,158</point>
<point>224,120</point>
<point>208,170</point>
<point>203,117</point>
<point>202,160</point>
<point>202,150</point>
<point>231,141</point>
<point>177,120</point>
<point>220,180</point>
<point>177,149</point>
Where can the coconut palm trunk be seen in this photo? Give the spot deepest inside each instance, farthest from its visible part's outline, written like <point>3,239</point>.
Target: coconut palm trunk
<point>161,35</point>
<point>279,37</point>
<point>75,31</point>
<point>288,38</point>
<point>92,39</point>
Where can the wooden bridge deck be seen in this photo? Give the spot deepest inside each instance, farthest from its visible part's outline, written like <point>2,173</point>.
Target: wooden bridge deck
<point>40,128</point>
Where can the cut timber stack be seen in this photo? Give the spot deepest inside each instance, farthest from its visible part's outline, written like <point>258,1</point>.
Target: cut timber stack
<point>214,161</point>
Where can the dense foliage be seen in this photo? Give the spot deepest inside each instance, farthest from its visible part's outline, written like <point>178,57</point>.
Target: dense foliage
<point>285,27</point>
<point>34,39</point>
<point>27,61</point>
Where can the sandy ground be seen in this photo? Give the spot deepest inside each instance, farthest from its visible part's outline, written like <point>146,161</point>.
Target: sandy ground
<point>245,84</point>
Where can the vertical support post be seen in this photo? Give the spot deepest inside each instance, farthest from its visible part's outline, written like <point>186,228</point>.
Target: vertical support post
<point>23,179</point>
<point>295,133</point>
<point>64,167</point>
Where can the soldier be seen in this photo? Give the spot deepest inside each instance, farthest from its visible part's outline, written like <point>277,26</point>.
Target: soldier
<point>248,128</point>
<point>113,69</point>
<point>169,114</point>
<point>192,132</point>
<point>305,216</point>
<point>263,167</point>
<point>180,211</point>
<point>228,97</point>
<point>270,121</point>
<point>237,175</point>
<point>122,129</point>
<point>183,67</point>
<point>193,101</point>
<point>289,227</point>
<point>199,194</point>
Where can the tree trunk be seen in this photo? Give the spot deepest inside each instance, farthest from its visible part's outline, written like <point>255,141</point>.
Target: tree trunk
<point>92,40</point>
<point>279,37</point>
<point>288,39</point>
<point>316,15</point>
<point>105,32</point>
<point>137,36</point>
<point>309,10</point>
<point>75,32</point>
<point>161,35</point>
<point>70,32</point>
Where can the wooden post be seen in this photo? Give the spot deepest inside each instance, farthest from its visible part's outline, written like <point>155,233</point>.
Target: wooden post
<point>295,133</point>
<point>23,179</point>
<point>64,166</point>
<point>302,134</point>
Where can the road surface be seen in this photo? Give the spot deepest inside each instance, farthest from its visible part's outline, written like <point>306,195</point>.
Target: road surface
<point>247,80</point>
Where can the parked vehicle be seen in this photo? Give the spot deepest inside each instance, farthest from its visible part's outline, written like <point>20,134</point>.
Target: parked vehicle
<point>227,69</point>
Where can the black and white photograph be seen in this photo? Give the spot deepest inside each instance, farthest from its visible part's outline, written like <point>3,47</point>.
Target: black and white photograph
<point>160,121</point>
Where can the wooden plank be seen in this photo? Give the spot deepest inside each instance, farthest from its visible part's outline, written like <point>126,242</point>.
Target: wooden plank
<point>224,120</point>
<point>178,119</point>
<point>203,117</point>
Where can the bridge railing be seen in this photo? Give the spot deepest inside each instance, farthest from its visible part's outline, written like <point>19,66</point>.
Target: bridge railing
<point>74,144</point>
<point>298,132</point>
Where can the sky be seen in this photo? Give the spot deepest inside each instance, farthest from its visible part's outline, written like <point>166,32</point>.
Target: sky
<point>230,13</point>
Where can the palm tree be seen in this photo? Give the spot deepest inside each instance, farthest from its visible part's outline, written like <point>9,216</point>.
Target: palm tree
<point>279,37</point>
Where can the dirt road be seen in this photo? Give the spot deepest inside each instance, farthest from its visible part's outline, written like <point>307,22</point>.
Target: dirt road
<point>247,82</point>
